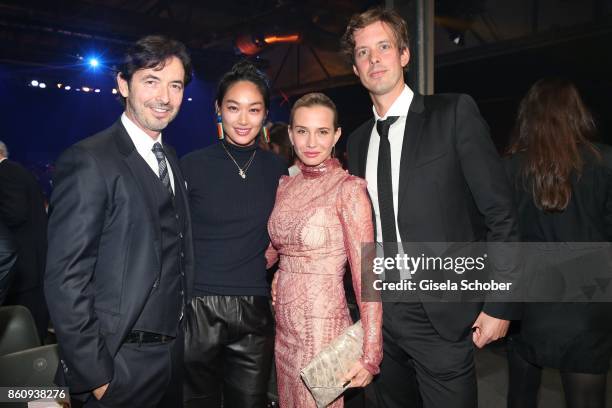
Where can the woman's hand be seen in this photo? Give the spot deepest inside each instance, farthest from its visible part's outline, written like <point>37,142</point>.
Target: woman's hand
<point>358,376</point>
<point>274,280</point>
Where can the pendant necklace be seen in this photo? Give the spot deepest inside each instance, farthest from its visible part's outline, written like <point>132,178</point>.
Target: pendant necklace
<point>241,170</point>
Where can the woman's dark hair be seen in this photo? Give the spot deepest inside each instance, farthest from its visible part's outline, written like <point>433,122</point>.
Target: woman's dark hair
<point>552,127</point>
<point>244,71</point>
<point>153,51</point>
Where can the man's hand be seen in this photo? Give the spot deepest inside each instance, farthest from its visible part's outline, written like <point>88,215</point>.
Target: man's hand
<point>274,280</point>
<point>358,376</point>
<point>487,329</point>
<point>100,391</point>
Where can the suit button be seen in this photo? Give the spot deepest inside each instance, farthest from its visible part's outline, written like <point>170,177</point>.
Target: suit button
<point>182,254</point>
<point>176,216</point>
<point>180,235</point>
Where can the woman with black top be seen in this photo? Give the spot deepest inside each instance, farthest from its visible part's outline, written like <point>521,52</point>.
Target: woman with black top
<point>232,185</point>
<point>563,188</point>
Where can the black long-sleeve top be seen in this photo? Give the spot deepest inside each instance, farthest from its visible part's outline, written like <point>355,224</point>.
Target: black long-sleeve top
<point>230,217</point>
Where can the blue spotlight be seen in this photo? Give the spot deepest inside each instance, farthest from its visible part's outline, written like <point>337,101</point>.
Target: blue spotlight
<point>93,62</point>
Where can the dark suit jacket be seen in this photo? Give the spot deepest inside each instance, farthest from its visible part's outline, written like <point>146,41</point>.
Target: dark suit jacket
<point>8,255</point>
<point>571,336</point>
<point>452,188</point>
<point>22,208</point>
<point>588,216</point>
<point>104,252</point>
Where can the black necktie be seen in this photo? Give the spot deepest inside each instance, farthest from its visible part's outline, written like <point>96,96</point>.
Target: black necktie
<point>158,150</point>
<point>385,193</point>
<point>385,186</point>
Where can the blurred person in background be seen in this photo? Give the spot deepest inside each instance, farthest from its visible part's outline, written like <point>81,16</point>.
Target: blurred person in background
<point>563,191</point>
<point>23,211</point>
<point>8,255</point>
<point>281,145</point>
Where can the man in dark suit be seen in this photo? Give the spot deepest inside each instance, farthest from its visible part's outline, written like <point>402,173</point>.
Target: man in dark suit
<point>22,208</point>
<point>8,255</point>
<point>119,268</point>
<point>430,161</point>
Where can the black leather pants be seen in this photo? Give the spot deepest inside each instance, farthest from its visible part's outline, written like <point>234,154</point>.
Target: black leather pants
<point>229,341</point>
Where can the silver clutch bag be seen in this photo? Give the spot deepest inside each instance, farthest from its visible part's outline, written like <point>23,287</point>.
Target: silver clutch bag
<point>322,375</point>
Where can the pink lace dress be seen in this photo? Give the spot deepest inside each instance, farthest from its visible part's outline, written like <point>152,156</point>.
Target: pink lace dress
<point>321,217</point>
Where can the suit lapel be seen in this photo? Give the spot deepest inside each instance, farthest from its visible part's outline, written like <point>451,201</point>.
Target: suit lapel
<point>179,185</point>
<point>410,146</point>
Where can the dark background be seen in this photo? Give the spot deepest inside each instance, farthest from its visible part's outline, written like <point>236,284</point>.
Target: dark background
<point>496,62</point>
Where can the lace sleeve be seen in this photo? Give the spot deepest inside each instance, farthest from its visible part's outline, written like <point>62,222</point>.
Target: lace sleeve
<point>355,213</point>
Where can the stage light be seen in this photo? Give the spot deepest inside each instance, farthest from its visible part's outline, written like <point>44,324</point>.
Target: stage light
<point>34,82</point>
<point>67,87</point>
<point>59,85</point>
<point>93,62</point>
<point>274,39</point>
<point>86,89</point>
<point>251,44</point>
<point>78,89</point>
<point>190,99</point>
<point>42,85</point>
<point>96,90</point>
<point>114,91</point>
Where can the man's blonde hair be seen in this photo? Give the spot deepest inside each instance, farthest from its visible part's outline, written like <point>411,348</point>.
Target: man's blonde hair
<point>314,99</point>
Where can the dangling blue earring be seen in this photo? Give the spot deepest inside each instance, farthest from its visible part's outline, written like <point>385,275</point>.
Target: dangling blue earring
<point>220,133</point>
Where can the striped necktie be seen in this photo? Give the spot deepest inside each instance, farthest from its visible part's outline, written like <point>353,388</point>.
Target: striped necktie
<point>158,150</point>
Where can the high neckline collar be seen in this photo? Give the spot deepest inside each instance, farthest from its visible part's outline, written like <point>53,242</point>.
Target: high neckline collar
<point>319,170</point>
<point>233,148</point>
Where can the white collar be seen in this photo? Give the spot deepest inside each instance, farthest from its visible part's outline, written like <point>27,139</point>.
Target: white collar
<point>400,106</point>
<point>143,142</point>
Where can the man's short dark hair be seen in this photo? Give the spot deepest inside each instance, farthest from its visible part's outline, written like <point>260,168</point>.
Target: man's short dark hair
<point>153,51</point>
